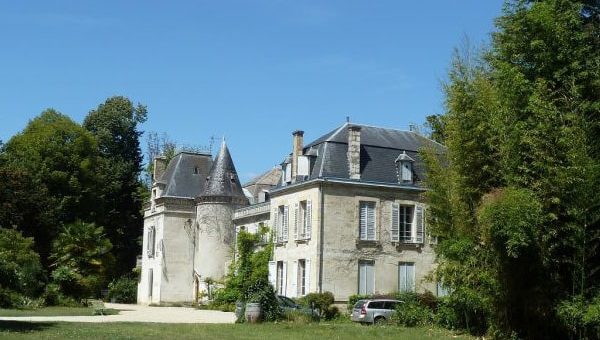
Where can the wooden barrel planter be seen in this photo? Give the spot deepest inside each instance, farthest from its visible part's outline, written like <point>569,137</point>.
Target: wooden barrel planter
<point>253,312</point>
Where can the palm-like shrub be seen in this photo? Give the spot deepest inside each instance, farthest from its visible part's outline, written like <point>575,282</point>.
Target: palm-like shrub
<point>81,255</point>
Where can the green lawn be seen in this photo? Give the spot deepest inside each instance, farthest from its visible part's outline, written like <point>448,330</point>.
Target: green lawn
<point>52,311</point>
<point>287,331</point>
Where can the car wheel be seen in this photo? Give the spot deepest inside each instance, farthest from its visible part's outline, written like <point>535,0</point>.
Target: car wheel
<point>379,320</point>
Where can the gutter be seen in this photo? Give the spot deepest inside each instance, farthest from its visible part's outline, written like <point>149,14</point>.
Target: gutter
<point>350,182</point>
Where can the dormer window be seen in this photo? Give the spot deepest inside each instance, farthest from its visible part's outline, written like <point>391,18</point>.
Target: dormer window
<point>404,168</point>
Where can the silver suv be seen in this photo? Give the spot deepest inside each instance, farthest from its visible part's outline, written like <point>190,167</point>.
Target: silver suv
<point>373,311</point>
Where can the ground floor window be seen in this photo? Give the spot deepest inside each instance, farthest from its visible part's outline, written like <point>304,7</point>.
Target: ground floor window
<point>302,277</point>
<point>406,277</point>
<point>366,277</point>
<point>150,282</point>
<point>281,278</point>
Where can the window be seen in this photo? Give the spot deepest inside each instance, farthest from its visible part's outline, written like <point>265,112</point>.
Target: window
<point>442,290</point>
<point>406,277</point>
<point>366,277</point>
<point>282,224</point>
<point>303,220</point>
<point>301,277</point>
<point>150,282</point>
<point>407,223</point>
<point>404,168</point>
<point>376,305</point>
<point>281,278</point>
<point>367,220</point>
<point>391,305</point>
<point>406,219</point>
<point>151,240</point>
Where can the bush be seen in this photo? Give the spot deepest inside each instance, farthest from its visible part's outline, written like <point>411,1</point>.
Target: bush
<point>20,269</point>
<point>123,290</point>
<point>262,292</point>
<point>322,302</point>
<point>412,313</point>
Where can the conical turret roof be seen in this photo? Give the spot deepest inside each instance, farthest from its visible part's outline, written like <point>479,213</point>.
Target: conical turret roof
<point>222,179</point>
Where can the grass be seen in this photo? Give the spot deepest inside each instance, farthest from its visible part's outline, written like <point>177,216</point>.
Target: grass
<point>54,311</point>
<point>283,330</point>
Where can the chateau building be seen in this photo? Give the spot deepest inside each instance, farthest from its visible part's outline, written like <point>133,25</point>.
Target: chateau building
<point>345,211</point>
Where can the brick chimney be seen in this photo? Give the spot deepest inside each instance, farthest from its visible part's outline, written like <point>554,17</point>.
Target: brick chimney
<point>354,151</point>
<point>297,144</point>
<point>160,165</point>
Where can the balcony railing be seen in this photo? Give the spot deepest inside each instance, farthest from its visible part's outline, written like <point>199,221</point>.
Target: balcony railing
<point>252,210</point>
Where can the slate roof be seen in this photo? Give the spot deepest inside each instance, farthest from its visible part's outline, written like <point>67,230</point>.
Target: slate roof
<point>185,175</point>
<point>222,179</point>
<point>380,147</point>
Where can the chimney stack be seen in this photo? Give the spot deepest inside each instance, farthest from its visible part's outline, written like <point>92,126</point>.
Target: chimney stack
<point>354,151</point>
<point>160,165</point>
<point>297,144</point>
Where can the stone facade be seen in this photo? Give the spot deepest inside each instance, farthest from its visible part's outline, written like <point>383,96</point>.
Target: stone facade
<point>345,212</point>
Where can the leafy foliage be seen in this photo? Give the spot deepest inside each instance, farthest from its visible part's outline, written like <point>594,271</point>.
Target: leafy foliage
<point>81,255</point>
<point>248,278</point>
<point>322,302</point>
<point>115,125</point>
<point>20,268</point>
<point>123,290</point>
<point>513,198</point>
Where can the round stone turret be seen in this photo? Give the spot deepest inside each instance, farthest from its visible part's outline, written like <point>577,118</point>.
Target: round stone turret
<point>222,194</point>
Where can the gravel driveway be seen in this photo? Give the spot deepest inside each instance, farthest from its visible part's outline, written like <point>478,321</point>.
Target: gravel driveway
<point>139,313</point>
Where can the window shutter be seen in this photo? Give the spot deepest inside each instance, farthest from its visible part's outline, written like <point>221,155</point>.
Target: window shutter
<point>275,227</point>
<point>148,240</point>
<point>363,220</point>
<point>370,278</point>
<point>362,279</point>
<point>420,223</point>
<point>308,222</point>
<point>307,276</point>
<point>296,220</point>
<point>371,221</point>
<point>285,223</point>
<point>273,273</point>
<point>294,283</point>
<point>284,279</point>
<point>395,229</point>
<point>402,277</point>
<point>410,275</point>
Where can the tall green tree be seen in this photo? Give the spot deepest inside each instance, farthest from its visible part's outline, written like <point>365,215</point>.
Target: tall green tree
<point>50,166</point>
<point>516,199</point>
<point>116,126</point>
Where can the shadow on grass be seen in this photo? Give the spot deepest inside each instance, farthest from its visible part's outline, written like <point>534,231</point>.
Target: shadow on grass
<point>24,326</point>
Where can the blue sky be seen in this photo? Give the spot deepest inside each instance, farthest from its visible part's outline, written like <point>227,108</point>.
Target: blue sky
<point>252,71</point>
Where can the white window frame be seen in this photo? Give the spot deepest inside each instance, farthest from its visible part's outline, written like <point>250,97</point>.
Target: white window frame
<point>411,230</point>
<point>303,220</point>
<point>282,223</point>
<point>367,219</point>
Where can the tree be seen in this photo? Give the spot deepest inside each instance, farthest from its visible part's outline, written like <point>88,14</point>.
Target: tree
<point>115,124</point>
<point>20,269</point>
<point>81,256</point>
<point>52,165</point>
<point>516,193</point>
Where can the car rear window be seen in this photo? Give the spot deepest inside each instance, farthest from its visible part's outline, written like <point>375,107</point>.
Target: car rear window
<point>376,304</point>
<point>359,304</point>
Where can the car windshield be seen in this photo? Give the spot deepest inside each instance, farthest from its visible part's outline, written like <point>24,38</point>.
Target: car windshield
<point>287,301</point>
<point>359,303</point>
